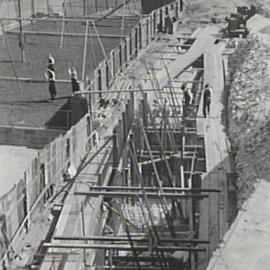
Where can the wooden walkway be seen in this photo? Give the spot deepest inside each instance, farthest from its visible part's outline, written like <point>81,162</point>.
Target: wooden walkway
<point>213,214</point>
<point>204,40</point>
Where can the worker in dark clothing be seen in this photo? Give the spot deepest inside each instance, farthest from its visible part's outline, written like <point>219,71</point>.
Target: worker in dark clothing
<point>207,94</point>
<point>74,83</point>
<point>101,103</point>
<point>252,11</point>
<point>186,94</point>
<point>4,267</point>
<point>50,75</point>
<point>168,25</point>
<point>186,100</point>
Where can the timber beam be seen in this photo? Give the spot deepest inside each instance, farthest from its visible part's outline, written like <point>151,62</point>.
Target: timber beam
<point>168,152</point>
<point>31,80</point>
<point>91,92</point>
<point>165,189</point>
<point>144,258</point>
<point>47,33</point>
<point>129,267</point>
<point>118,194</point>
<point>141,248</point>
<point>179,131</point>
<point>187,81</point>
<point>126,239</point>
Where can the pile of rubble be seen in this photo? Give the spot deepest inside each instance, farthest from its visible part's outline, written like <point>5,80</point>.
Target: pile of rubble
<point>263,7</point>
<point>249,113</point>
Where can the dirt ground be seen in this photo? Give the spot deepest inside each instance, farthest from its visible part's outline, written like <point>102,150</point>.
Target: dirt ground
<point>37,47</point>
<point>29,106</point>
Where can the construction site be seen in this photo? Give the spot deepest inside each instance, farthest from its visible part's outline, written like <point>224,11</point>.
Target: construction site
<point>134,134</point>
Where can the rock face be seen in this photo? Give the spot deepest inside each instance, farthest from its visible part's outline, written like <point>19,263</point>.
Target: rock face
<point>249,113</point>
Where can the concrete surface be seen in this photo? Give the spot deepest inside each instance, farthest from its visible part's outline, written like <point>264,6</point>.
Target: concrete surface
<point>247,244</point>
<point>14,161</point>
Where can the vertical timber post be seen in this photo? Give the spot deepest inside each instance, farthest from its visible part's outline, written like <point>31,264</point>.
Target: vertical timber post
<point>144,109</point>
<point>115,149</point>
<point>33,8</point>
<point>134,180</point>
<point>21,42</point>
<point>48,8</point>
<point>63,25</point>
<point>83,232</point>
<point>96,6</point>
<point>85,51</point>
<point>84,7</point>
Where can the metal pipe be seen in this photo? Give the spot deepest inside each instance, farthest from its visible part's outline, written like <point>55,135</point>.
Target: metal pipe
<point>165,189</point>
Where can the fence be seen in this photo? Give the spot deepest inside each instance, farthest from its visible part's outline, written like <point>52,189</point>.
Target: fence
<point>140,36</point>
<point>71,8</point>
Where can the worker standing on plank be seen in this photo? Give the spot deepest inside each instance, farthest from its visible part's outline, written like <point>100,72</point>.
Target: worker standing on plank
<point>207,94</point>
<point>74,83</point>
<point>50,75</point>
<point>187,97</point>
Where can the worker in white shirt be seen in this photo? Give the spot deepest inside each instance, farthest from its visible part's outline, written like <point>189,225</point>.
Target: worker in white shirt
<point>51,62</point>
<point>73,76</point>
<point>50,75</point>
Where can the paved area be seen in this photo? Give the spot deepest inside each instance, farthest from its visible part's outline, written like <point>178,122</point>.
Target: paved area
<point>10,155</point>
<point>246,244</point>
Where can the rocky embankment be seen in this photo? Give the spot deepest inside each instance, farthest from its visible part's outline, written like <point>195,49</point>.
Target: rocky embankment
<point>249,113</point>
<point>263,7</point>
